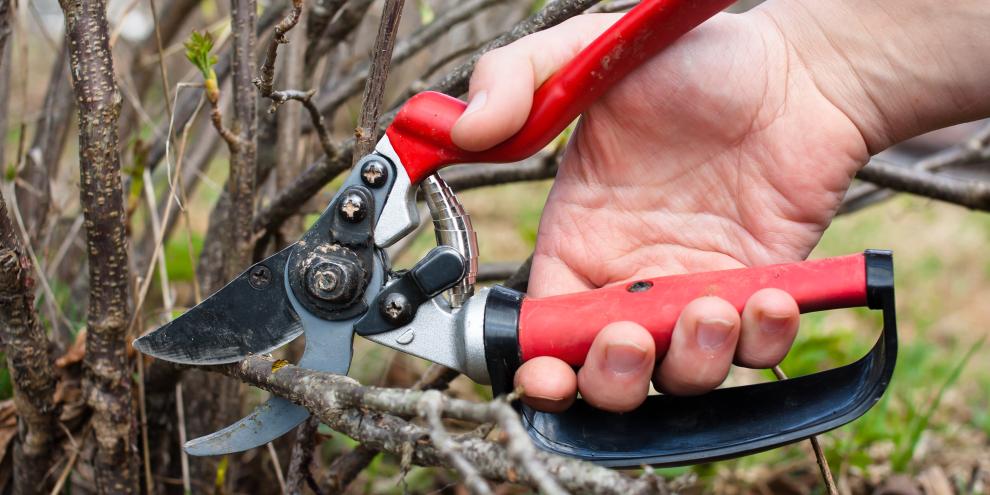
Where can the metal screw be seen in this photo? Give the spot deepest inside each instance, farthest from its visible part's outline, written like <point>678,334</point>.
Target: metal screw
<point>260,277</point>
<point>641,286</point>
<point>396,309</point>
<point>373,174</point>
<point>326,280</point>
<point>353,208</point>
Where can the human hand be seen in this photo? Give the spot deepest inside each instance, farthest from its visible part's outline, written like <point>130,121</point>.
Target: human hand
<point>721,152</point>
<point>700,160</point>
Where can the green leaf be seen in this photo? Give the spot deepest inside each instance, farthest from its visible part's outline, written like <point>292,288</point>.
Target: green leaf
<point>426,14</point>
<point>198,48</point>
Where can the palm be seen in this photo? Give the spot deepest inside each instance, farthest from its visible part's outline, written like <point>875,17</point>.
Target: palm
<point>741,161</point>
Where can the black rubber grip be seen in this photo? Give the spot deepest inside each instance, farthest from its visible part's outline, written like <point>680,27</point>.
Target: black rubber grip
<point>502,337</point>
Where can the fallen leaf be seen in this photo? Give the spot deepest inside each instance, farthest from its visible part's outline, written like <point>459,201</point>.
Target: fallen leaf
<point>75,353</point>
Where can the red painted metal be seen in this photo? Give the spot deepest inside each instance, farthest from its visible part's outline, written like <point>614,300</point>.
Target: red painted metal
<point>420,133</point>
<point>564,326</point>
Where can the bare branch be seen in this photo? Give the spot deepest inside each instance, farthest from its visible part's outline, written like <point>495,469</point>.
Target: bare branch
<point>42,160</point>
<point>430,406</point>
<point>28,361</point>
<point>337,92</point>
<point>374,90</point>
<point>318,18</point>
<point>302,455</point>
<point>498,271</point>
<point>372,415</point>
<point>346,467</point>
<point>973,195</point>
<point>539,167</point>
<point>266,78</point>
<point>456,82</point>
<point>107,378</point>
<point>345,22</point>
<point>973,150</point>
<point>241,182</point>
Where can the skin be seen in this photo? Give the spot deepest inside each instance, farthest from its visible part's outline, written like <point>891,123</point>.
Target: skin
<point>732,148</point>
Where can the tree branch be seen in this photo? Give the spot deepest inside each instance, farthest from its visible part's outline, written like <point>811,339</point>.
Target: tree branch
<point>107,377</point>
<point>243,160</point>
<point>28,361</point>
<point>337,92</point>
<point>345,22</point>
<point>366,133</point>
<point>266,77</point>
<point>973,150</point>
<point>373,416</point>
<point>346,467</point>
<point>973,195</point>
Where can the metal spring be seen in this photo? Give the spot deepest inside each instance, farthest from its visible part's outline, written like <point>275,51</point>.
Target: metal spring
<point>452,226</point>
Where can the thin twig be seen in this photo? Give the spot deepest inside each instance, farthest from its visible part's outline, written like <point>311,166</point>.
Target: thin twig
<point>430,407</point>
<point>816,446</point>
<point>69,464</point>
<point>161,58</point>
<point>143,419</point>
<point>273,455</point>
<point>366,133</point>
<point>180,413</point>
<point>337,91</point>
<point>266,78</point>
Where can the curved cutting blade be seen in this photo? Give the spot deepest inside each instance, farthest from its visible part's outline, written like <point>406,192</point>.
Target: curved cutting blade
<point>328,348</point>
<point>250,315</point>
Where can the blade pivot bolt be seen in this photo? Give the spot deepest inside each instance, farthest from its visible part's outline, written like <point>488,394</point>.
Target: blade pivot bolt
<point>353,208</point>
<point>260,277</point>
<point>374,174</point>
<point>396,309</point>
<point>333,280</point>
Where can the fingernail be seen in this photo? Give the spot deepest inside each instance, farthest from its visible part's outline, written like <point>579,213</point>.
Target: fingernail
<point>477,102</point>
<point>623,357</point>
<point>771,323</point>
<point>712,333</point>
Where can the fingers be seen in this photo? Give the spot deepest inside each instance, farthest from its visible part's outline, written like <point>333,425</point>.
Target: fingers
<point>504,80</point>
<point>548,384</point>
<point>769,324</point>
<point>708,336</point>
<point>701,348</point>
<point>616,374</point>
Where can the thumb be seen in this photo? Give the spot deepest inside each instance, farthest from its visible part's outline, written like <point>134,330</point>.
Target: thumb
<point>504,80</point>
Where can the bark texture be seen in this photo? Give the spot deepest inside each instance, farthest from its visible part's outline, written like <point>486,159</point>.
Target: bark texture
<point>29,362</point>
<point>107,372</point>
<point>243,159</point>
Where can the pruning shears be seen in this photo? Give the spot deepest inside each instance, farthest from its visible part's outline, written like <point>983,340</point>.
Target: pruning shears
<point>337,281</point>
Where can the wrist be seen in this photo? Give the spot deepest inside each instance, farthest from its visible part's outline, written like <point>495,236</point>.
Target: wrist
<point>896,68</point>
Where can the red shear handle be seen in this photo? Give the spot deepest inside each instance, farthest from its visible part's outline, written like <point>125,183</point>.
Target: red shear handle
<point>420,133</point>
<point>564,326</point>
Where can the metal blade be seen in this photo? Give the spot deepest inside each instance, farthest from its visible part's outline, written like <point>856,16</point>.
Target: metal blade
<point>328,348</point>
<point>250,315</point>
